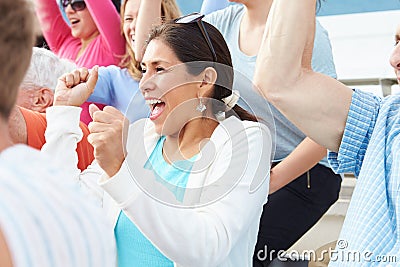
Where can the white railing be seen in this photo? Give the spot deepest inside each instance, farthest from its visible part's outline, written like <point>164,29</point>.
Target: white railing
<point>385,83</point>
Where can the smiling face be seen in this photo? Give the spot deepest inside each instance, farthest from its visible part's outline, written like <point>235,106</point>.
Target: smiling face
<point>395,58</point>
<point>168,89</point>
<point>82,24</point>
<point>129,18</point>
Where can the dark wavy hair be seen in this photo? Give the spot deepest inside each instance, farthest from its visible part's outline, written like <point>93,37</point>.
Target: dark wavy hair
<point>189,45</point>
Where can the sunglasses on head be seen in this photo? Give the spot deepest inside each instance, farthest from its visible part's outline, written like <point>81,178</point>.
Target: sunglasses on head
<point>197,17</point>
<point>76,5</point>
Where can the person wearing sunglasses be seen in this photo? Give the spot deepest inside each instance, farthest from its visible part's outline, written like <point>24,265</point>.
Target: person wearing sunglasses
<point>76,5</point>
<point>91,38</point>
<point>190,188</point>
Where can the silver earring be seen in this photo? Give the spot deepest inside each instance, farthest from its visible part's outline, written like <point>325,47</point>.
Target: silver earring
<point>220,115</point>
<point>201,107</point>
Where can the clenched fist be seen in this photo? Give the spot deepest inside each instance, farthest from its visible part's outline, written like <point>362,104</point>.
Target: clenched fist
<point>74,88</point>
<point>108,132</point>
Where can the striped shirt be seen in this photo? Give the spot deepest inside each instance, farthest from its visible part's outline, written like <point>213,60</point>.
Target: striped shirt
<point>45,219</point>
<point>370,149</point>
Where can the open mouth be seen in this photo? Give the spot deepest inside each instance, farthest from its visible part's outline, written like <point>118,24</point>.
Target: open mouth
<point>132,40</point>
<point>74,21</point>
<point>156,106</point>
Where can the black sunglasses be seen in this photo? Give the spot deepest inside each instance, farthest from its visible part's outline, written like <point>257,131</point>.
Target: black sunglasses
<point>197,17</point>
<point>76,5</point>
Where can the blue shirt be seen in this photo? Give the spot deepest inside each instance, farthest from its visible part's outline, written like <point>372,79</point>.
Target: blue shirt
<point>116,87</point>
<point>288,136</point>
<point>173,176</point>
<point>370,149</point>
<point>133,248</point>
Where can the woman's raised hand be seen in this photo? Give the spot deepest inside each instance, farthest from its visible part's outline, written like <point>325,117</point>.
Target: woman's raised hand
<point>108,132</point>
<point>74,88</point>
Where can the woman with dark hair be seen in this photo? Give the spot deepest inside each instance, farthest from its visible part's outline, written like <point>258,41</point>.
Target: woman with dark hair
<point>302,184</point>
<point>190,187</point>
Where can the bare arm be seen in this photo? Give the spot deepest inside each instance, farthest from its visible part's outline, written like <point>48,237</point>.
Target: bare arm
<point>303,158</point>
<point>108,23</point>
<point>315,103</point>
<point>53,26</point>
<point>149,15</point>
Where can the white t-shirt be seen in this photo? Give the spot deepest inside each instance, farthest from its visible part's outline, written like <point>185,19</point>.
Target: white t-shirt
<point>46,219</point>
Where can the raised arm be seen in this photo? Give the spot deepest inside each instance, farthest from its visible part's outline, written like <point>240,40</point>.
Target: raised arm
<point>54,28</point>
<point>63,131</point>
<point>315,103</point>
<point>149,15</point>
<point>108,23</point>
<point>303,158</point>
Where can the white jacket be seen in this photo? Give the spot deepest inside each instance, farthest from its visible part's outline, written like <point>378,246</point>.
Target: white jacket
<point>217,222</point>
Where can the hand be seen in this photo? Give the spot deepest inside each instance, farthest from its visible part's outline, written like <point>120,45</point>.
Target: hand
<point>74,88</point>
<point>108,132</point>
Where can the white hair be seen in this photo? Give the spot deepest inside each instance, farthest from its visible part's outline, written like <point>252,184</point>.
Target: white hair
<point>44,70</point>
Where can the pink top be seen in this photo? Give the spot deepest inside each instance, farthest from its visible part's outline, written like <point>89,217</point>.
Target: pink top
<point>106,49</point>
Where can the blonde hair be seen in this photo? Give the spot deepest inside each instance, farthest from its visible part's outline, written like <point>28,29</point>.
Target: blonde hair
<point>17,36</point>
<point>169,10</point>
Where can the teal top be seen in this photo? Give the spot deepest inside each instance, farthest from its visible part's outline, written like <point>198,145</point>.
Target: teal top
<point>133,248</point>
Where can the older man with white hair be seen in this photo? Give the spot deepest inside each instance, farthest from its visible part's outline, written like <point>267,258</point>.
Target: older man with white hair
<point>27,121</point>
<point>36,91</point>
